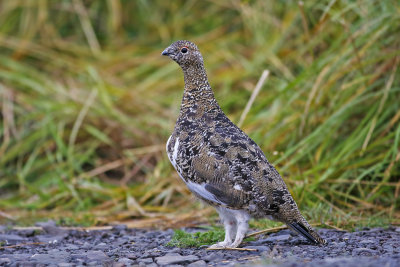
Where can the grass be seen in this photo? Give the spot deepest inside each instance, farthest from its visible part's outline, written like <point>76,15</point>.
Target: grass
<point>184,239</point>
<point>87,103</point>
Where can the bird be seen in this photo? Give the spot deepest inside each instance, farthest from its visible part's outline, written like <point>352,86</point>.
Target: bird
<point>220,164</point>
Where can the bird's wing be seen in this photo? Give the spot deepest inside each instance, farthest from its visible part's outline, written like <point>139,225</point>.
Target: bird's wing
<point>230,168</point>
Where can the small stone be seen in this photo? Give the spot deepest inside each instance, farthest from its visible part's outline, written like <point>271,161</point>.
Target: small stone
<point>363,252</point>
<point>277,238</point>
<point>377,229</point>
<point>175,250</point>
<point>86,245</point>
<point>25,264</point>
<point>145,260</point>
<point>106,235</point>
<point>65,264</point>
<point>54,257</point>
<point>54,230</point>
<point>388,248</point>
<point>47,223</point>
<point>17,257</point>
<point>27,233</point>
<point>151,235</point>
<point>126,261</point>
<point>11,238</point>
<point>366,241</point>
<point>102,246</point>
<point>71,247</point>
<point>172,254</point>
<point>96,255</point>
<point>4,261</point>
<point>283,232</point>
<point>93,258</point>
<point>199,263</point>
<point>132,256</point>
<point>51,228</point>
<point>214,256</point>
<point>120,227</point>
<point>175,259</point>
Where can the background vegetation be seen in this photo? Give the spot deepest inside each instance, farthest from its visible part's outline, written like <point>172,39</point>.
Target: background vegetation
<point>87,104</point>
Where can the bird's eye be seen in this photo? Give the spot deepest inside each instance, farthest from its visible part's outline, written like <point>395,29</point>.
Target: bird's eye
<point>184,50</point>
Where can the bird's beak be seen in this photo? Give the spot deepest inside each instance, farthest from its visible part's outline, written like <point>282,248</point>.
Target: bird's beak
<point>167,51</point>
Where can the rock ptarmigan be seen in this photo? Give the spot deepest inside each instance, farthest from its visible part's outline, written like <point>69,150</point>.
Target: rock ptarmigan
<point>220,164</point>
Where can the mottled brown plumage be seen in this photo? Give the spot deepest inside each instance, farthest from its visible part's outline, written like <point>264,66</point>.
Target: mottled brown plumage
<point>220,164</point>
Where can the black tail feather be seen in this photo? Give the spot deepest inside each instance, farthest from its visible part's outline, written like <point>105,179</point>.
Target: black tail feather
<point>303,231</point>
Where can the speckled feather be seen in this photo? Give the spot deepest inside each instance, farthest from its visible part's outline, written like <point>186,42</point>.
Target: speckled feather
<point>220,164</point>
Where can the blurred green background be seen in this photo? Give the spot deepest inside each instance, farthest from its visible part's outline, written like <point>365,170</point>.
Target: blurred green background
<point>87,103</point>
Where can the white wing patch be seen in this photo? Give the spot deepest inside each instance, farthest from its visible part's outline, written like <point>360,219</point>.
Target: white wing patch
<point>166,147</point>
<point>175,151</point>
<point>172,155</point>
<point>237,187</point>
<point>199,189</point>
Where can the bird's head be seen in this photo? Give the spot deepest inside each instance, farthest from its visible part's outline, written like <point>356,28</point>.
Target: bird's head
<point>184,53</point>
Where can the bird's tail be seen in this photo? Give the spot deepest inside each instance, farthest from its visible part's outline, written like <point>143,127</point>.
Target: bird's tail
<point>305,230</point>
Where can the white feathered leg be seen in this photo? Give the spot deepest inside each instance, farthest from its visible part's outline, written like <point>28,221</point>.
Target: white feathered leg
<point>242,222</point>
<point>228,218</point>
<point>235,224</point>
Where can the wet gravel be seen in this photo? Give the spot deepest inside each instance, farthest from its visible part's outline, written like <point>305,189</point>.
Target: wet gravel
<point>121,246</point>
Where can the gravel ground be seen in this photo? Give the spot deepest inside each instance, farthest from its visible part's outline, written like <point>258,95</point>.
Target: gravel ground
<point>121,246</point>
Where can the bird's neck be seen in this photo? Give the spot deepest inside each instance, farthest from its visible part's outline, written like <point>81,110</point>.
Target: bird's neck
<point>198,96</point>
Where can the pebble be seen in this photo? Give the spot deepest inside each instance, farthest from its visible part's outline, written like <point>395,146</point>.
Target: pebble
<point>120,227</point>
<point>4,261</point>
<point>51,257</point>
<point>11,238</point>
<point>199,263</point>
<point>363,252</point>
<point>214,256</point>
<point>125,261</point>
<point>122,246</point>
<point>96,255</point>
<point>175,259</point>
<point>65,264</point>
<point>102,246</point>
<point>71,247</point>
<point>146,260</point>
<point>86,245</point>
<point>277,238</point>
<point>367,241</point>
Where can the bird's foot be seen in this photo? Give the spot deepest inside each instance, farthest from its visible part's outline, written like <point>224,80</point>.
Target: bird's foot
<point>219,245</point>
<point>222,245</point>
